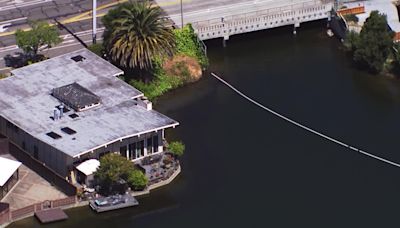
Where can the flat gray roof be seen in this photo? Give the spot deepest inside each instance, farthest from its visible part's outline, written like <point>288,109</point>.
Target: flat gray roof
<point>26,101</point>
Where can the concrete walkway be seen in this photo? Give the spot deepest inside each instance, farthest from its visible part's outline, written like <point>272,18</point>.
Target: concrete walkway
<point>31,188</point>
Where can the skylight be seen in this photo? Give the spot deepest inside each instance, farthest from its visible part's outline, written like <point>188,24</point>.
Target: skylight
<point>78,58</point>
<point>73,115</point>
<point>53,135</point>
<point>68,130</point>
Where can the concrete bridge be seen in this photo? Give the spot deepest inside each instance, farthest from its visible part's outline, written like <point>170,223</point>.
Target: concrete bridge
<point>226,20</point>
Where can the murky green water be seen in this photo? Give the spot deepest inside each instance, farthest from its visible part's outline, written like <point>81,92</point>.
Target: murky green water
<point>246,168</point>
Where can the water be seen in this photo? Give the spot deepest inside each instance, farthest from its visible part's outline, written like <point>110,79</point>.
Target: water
<point>246,168</point>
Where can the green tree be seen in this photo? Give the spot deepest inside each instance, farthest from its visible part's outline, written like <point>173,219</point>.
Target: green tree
<point>374,43</point>
<point>40,34</point>
<point>137,180</point>
<point>136,34</point>
<point>177,148</point>
<point>113,167</point>
<point>351,41</point>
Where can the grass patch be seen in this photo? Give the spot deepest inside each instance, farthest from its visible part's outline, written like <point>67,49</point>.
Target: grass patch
<point>161,84</point>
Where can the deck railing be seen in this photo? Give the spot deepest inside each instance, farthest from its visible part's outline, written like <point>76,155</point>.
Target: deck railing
<point>14,215</point>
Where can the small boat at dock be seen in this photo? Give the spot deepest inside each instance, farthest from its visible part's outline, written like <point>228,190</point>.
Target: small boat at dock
<point>114,202</point>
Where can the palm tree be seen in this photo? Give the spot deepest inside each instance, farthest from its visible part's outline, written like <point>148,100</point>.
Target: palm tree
<point>137,34</point>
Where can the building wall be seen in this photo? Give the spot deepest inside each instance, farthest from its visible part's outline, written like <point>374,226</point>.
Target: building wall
<point>50,156</point>
<point>60,162</point>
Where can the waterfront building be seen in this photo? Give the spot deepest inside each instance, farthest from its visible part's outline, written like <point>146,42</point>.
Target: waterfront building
<point>72,108</point>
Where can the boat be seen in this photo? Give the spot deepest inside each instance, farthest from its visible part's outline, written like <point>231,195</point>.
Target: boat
<point>114,202</point>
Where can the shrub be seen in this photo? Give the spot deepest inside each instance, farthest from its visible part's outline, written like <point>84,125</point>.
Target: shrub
<point>185,67</point>
<point>98,49</point>
<point>137,180</point>
<point>113,168</point>
<point>372,47</point>
<point>41,34</point>
<point>351,17</point>
<point>160,84</point>
<point>177,148</point>
<point>186,43</point>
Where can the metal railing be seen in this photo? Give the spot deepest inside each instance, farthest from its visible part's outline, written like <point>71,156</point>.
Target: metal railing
<point>262,19</point>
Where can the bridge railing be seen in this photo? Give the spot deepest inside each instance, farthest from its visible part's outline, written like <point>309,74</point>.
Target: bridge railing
<point>270,12</point>
<point>262,19</point>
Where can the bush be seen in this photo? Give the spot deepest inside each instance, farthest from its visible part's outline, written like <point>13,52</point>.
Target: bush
<point>372,47</point>
<point>98,49</point>
<point>186,43</point>
<point>352,39</point>
<point>177,148</point>
<point>180,72</point>
<point>160,84</point>
<point>113,168</point>
<point>351,17</point>
<point>41,34</point>
<point>137,180</point>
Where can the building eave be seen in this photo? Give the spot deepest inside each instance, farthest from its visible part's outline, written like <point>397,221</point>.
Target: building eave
<point>125,137</point>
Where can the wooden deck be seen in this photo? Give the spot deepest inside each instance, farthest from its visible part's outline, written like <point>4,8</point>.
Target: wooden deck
<point>51,215</point>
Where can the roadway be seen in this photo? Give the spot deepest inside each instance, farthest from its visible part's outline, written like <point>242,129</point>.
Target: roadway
<point>201,11</point>
<point>76,16</point>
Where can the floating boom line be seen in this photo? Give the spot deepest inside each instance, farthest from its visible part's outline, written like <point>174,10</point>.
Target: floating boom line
<point>305,127</point>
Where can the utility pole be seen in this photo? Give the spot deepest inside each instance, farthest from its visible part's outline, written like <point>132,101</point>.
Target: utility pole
<point>94,18</point>
<point>181,14</point>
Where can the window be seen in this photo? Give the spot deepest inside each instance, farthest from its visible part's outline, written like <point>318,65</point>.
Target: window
<point>150,145</point>
<point>123,151</point>
<point>132,151</point>
<point>23,145</point>
<point>155,143</point>
<point>140,148</point>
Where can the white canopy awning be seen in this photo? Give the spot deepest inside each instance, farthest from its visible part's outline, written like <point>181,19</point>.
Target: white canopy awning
<point>7,169</point>
<point>88,167</point>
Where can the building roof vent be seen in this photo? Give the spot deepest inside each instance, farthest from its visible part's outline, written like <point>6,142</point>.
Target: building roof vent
<point>78,58</point>
<point>68,130</point>
<point>53,135</point>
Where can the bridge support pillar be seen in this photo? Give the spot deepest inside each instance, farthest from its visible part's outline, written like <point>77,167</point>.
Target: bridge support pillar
<point>296,25</point>
<point>328,23</point>
<point>224,40</point>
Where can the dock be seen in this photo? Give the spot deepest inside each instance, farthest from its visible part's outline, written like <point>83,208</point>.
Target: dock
<point>102,204</point>
<point>51,215</point>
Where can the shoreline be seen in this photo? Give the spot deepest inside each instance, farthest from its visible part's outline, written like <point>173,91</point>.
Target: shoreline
<point>134,193</point>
